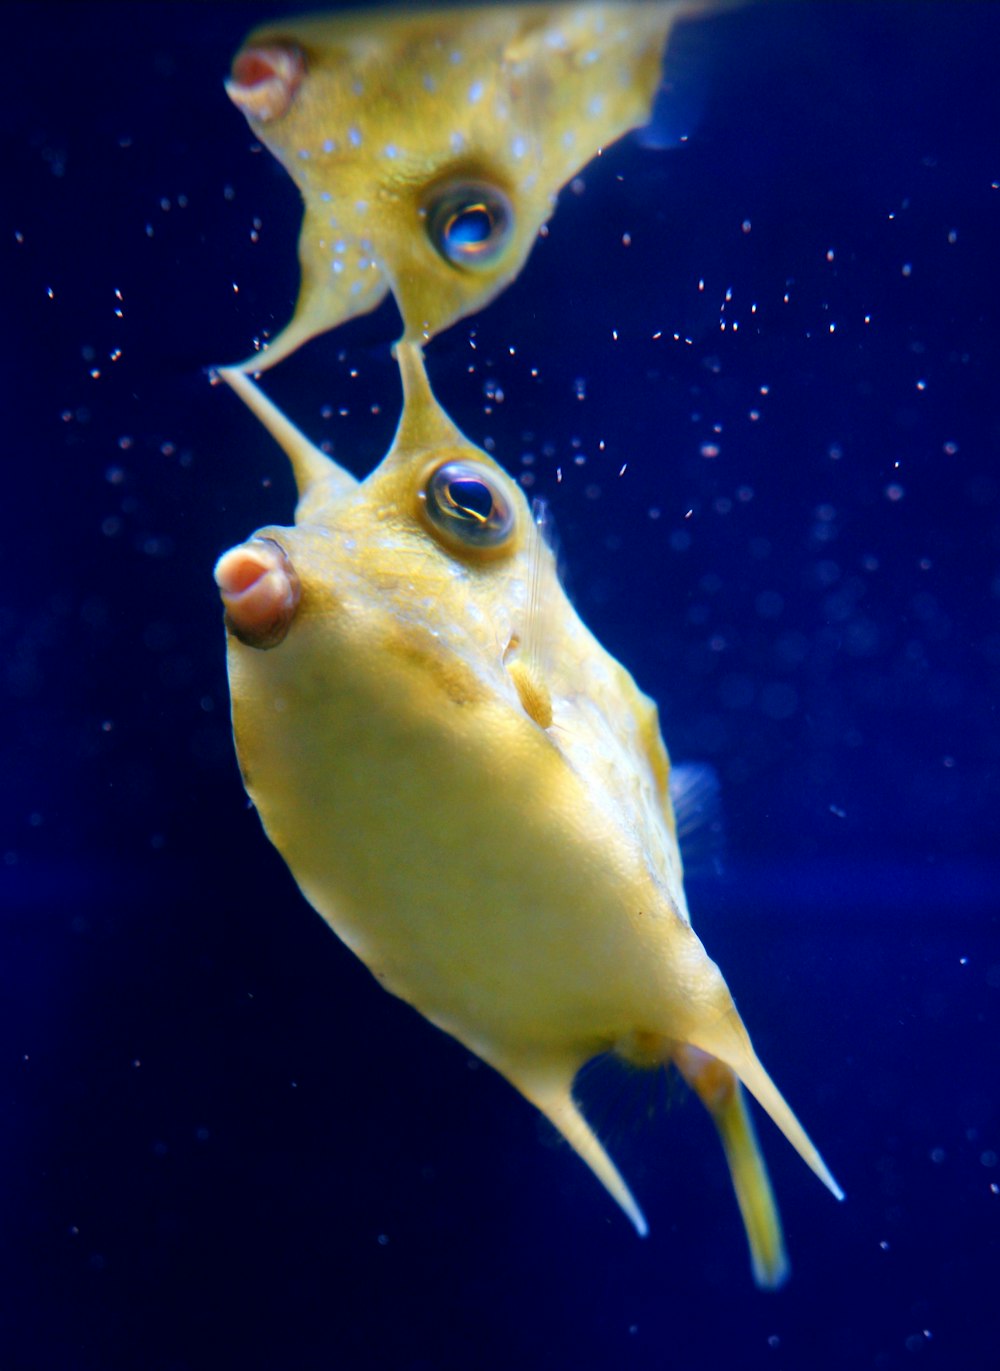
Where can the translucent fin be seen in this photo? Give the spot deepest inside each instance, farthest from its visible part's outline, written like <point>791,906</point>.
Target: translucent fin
<point>727,1038</point>
<point>537,629</point>
<point>720,1092</point>
<point>678,106</point>
<point>549,1090</point>
<point>310,466</point>
<point>696,797</point>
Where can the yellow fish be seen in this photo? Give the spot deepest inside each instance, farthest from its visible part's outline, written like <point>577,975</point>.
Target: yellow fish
<point>473,793</point>
<point>429,145</point>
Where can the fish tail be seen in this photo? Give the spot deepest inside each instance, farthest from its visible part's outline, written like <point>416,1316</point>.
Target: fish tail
<point>719,1090</point>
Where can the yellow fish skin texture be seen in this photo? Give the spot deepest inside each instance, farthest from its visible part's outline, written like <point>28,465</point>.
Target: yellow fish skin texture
<point>472,792</point>
<point>429,145</point>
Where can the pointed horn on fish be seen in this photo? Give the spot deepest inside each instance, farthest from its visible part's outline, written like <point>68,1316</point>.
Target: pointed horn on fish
<point>549,1088</point>
<point>727,1039</point>
<point>423,424</point>
<point>310,466</point>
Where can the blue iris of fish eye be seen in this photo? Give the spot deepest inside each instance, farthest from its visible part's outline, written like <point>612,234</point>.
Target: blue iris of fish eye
<point>468,505</point>
<point>470,223</point>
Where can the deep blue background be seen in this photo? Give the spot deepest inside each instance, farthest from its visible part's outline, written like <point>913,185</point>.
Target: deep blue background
<point>221,1145</point>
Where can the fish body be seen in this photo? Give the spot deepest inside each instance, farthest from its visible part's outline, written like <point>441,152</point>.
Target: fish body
<point>429,144</point>
<point>473,792</point>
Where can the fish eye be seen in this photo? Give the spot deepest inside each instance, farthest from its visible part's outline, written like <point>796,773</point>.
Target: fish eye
<point>469,223</point>
<point>465,504</point>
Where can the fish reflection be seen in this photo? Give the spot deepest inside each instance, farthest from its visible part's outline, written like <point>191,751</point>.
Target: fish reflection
<point>429,145</point>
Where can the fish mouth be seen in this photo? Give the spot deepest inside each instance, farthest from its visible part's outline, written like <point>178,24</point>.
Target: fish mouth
<point>260,592</point>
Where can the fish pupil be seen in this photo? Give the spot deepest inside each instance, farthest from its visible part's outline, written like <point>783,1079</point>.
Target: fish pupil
<point>471,227</point>
<point>469,222</point>
<point>470,499</point>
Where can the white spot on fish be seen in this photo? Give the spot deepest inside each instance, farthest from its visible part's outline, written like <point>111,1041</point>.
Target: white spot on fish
<point>476,92</point>
<point>518,147</point>
<point>354,136</point>
<point>457,142</point>
<point>595,106</point>
<point>391,151</point>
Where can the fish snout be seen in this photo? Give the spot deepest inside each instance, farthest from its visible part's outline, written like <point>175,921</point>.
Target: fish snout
<point>260,591</point>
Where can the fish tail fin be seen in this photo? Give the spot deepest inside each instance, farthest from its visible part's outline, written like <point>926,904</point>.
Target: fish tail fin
<point>719,1090</point>
<point>727,1039</point>
<point>550,1091</point>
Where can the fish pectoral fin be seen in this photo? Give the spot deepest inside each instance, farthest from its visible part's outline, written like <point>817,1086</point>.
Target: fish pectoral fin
<point>719,1090</point>
<point>549,1088</point>
<point>727,1039</point>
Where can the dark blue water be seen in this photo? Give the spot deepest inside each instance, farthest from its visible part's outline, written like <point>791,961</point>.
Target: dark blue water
<point>221,1145</point>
